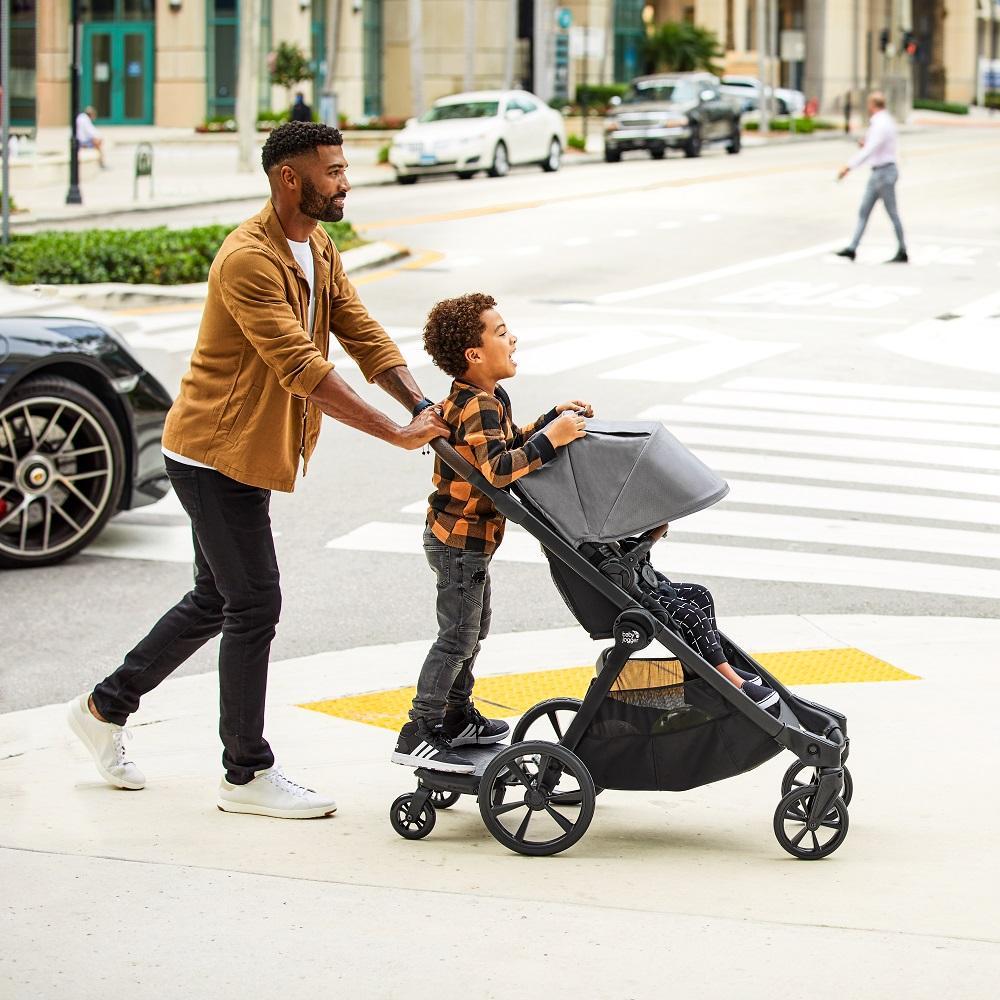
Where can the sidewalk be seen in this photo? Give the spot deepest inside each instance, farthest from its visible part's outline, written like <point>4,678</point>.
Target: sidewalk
<point>158,894</point>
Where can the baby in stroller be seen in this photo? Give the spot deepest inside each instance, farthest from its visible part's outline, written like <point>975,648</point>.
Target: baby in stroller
<point>691,610</point>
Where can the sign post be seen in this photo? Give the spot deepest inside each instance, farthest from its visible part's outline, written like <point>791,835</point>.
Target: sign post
<point>564,21</point>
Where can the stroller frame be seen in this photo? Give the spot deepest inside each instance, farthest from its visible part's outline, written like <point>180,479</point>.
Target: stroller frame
<point>815,734</point>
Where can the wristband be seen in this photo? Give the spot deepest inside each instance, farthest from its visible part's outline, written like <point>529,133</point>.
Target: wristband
<point>421,406</point>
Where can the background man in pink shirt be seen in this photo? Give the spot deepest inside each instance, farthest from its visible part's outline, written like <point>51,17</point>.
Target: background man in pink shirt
<point>879,151</point>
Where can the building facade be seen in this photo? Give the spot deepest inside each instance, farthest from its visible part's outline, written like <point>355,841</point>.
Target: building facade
<point>174,62</point>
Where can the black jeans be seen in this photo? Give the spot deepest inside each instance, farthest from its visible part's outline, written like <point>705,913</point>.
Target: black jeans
<point>463,614</point>
<point>236,592</point>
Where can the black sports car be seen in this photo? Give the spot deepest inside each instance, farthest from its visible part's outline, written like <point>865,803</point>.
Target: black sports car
<point>80,424</point>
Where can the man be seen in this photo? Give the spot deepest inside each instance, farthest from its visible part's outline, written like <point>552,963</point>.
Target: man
<point>87,136</point>
<point>301,112</point>
<point>249,406</point>
<point>878,150</point>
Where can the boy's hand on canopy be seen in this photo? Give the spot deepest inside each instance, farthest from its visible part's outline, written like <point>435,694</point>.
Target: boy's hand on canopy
<point>578,405</point>
<point>567,427</point>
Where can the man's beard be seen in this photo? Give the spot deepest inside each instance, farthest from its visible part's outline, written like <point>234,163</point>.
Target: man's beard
<point>317,207</point>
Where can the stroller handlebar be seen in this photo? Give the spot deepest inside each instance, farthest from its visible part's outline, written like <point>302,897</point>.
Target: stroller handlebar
<point>502,500</point>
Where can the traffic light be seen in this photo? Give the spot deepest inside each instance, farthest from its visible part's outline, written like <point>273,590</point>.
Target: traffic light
<point>910,43</point>
<point>883,39</point>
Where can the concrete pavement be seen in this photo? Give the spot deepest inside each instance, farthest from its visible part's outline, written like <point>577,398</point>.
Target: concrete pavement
<point>156,892</point>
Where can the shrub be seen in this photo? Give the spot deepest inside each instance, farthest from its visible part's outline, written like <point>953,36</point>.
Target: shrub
<point>576,142</point>
<point>383,154</point>
<point>599,94</point>
<point>992,99</point>
<point>803,126</point>
<point>950,107</point>
<point>158,256</point>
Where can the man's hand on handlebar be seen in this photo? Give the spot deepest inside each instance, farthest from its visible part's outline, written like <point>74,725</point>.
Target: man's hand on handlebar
<point>423,428</point>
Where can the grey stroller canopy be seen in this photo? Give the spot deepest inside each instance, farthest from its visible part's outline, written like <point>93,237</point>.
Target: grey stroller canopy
<point>625,477</point>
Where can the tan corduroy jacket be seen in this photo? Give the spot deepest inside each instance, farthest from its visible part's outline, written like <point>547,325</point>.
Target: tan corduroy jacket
<point>242,405</point>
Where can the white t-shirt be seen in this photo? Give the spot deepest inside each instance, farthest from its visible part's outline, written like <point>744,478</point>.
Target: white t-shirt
<point>302,252</point>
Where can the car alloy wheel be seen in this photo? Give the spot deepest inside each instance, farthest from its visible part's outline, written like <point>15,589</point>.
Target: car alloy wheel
<point>61,471</point>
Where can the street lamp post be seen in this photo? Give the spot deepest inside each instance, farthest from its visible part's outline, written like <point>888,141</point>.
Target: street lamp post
<point>5,113</point>
<point>73,194</point>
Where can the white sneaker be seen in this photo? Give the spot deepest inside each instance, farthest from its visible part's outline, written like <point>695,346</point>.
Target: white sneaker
<point>272,794</point>
<point>106,744</point>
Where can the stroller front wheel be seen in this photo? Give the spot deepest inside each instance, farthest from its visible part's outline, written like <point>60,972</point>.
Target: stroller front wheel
<point>804,836</point>
<point>537,798</point>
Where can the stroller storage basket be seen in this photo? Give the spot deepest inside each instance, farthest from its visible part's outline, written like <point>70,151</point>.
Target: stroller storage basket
<point>661,728</point>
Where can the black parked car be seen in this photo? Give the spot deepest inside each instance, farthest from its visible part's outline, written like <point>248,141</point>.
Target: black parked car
<point>671,110</point>
<point>80,424</point>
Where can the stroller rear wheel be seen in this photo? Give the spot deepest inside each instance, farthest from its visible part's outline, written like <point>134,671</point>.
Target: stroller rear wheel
<point>799,775</point>
<point>408,823</point>
<point>548,720</point>
<point>805,838</point>
<point>537,798</point>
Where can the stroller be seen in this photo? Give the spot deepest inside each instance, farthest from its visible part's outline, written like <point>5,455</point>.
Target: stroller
<point>666,723</point>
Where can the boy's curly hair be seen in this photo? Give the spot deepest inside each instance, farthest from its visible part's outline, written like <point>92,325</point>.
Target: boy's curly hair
<point>453,326</point>
<point>295,138</point>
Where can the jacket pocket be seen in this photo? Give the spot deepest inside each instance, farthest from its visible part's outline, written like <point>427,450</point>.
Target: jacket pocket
<point>243,414</point>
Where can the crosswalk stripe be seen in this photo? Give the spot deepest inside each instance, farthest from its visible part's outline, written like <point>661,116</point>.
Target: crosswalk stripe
<point>886,409</point>
<point>819,387</point>
<point>583,350</point>
<point>940,480</point>
<point>700,362</point>
<point>860,448</point>
<point>680,559</point>
<point>724,521</point>
<point>778,495</point>
<point>912,430</point>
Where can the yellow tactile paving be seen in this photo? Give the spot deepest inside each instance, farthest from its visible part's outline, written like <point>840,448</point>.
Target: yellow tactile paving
<point>512,694</point>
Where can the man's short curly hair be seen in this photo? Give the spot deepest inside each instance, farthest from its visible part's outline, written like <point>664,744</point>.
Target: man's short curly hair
<point>295,138</point>
<point>452,327</point>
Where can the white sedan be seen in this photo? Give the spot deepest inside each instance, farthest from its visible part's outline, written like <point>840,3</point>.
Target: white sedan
<point>489,130</point>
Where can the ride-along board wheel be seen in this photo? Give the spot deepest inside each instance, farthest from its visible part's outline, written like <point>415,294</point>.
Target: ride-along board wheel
<point>791,825</point>
<point>444,800</point>
<point>548,720</point>
<point>537,798</point>
<point>407,825</point>
<point>799,775</point>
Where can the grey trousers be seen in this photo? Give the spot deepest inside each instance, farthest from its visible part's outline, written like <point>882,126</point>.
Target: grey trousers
<point>463,613</point>
<point>881,184</point>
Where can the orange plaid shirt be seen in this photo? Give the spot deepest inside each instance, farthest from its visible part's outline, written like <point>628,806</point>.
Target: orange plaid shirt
<point>484,434</point>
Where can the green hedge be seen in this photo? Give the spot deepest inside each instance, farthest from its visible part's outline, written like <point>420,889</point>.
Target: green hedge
<point>803,126</point>
<point>599,93</point>
<point>157,256</point>
<point>576,142</point>
<point>951,107</point>
<point>991,99</point>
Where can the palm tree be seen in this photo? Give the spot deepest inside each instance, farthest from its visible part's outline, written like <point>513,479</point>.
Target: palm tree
<point>682,48</point>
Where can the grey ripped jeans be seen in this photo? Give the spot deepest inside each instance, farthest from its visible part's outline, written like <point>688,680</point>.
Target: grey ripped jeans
<point>463,613</point>
<point>881,184</point>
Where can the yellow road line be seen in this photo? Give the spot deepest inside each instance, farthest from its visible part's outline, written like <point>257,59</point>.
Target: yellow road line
<point>509,695</point>
<point>423,259</point>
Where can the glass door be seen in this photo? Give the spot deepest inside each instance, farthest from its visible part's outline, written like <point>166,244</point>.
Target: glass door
<point>118,72</point>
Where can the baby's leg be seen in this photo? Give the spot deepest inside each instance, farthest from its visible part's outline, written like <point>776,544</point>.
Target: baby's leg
<point>694,614</point>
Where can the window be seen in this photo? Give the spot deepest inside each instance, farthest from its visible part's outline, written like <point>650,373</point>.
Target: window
<point>22,62</point>
<point>223,56</point>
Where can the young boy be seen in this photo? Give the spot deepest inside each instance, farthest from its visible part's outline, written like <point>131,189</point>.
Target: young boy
<point>468,339</point>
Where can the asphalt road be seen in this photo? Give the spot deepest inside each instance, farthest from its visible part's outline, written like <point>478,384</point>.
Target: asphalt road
<point>852,407</point>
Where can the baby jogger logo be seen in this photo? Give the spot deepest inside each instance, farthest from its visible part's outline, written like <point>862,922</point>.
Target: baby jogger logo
<point>630,637</point>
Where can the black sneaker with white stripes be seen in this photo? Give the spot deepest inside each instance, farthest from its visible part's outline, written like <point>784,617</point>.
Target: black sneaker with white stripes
<point>420,746</point>
<point>765,697</point>
<point>467,727</point>
<point>747,675</point>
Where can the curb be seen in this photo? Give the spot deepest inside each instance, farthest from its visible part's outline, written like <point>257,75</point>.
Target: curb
<point>111,294</point>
